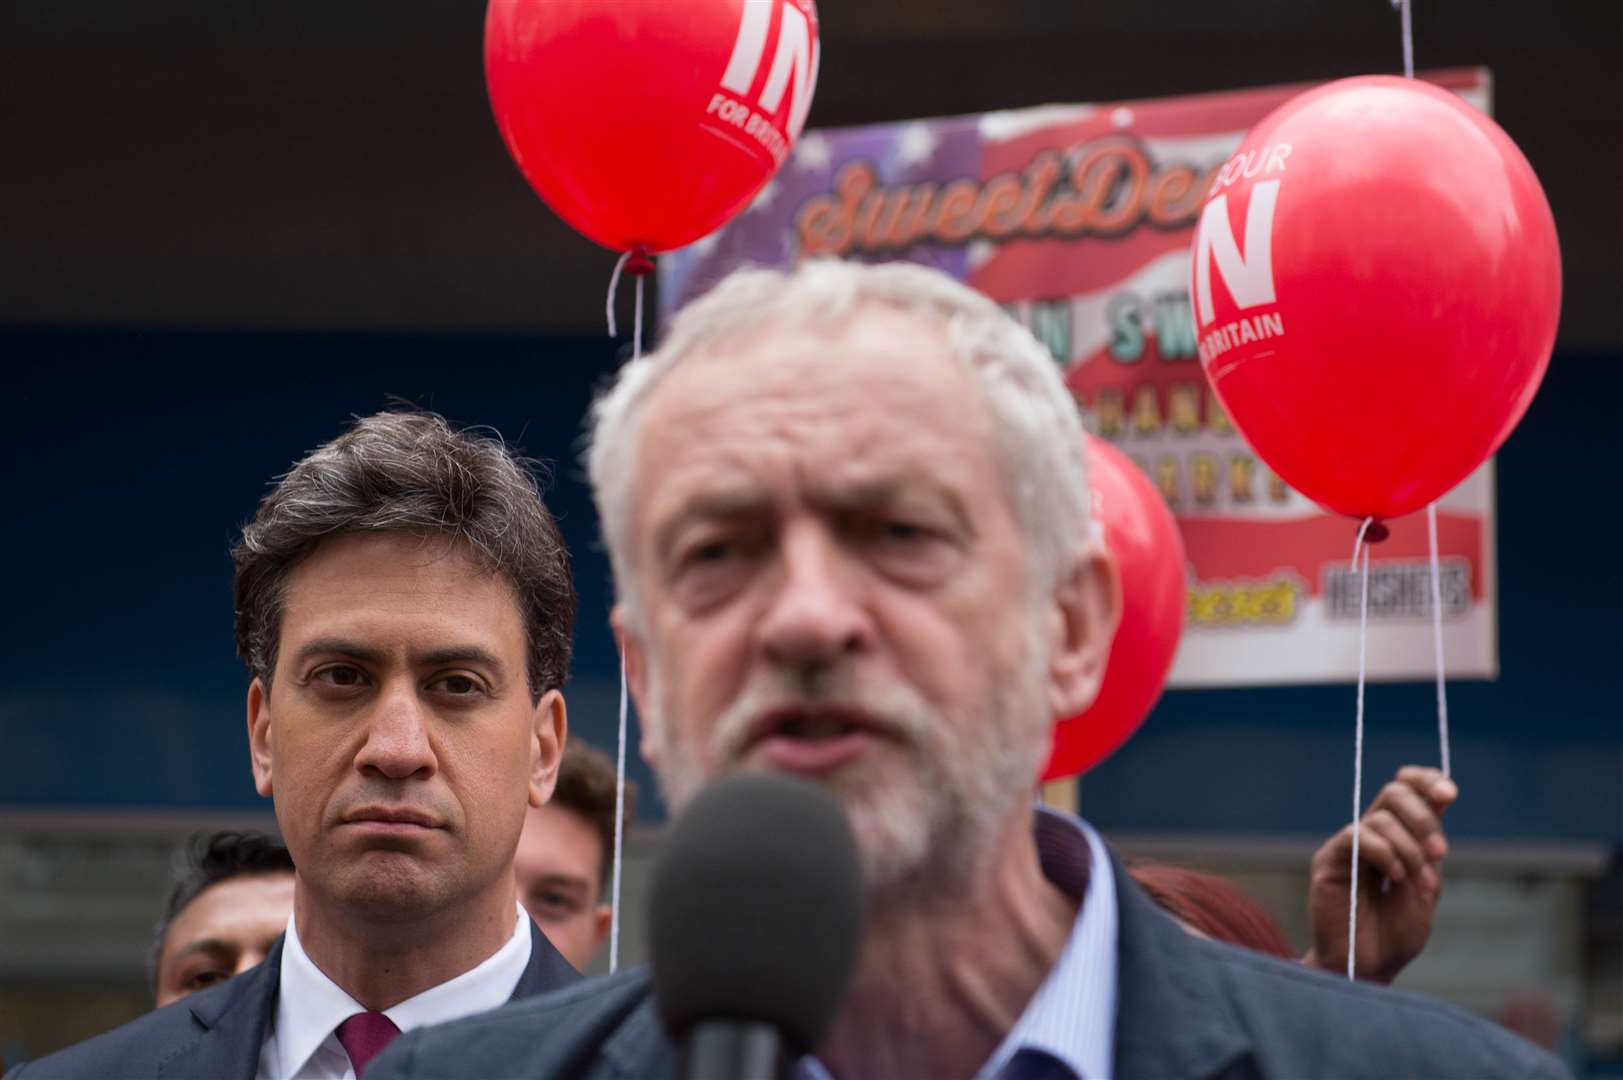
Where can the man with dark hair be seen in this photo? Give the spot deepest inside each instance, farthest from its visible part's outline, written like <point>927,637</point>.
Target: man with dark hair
<point>567,850</point>
<point>224,915</point>
<point>404,605</point>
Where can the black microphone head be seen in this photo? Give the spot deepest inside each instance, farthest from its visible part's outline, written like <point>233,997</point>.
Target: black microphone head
<point>756,908</point>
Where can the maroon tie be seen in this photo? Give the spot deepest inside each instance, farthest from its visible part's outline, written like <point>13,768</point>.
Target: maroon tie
<point>364,1036</point>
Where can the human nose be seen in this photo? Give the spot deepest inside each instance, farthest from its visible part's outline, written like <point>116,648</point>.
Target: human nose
<point>816,615</point>
<point>397,744</point>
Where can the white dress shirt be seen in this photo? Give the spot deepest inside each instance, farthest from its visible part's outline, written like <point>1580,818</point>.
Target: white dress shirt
<point>301,1041</point>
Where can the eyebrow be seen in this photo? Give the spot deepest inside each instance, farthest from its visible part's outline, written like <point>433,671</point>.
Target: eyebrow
<point>878,494</point>
<point>334,645</point>
<point>461,654</point>
<point>712,506</point>
<point>863,495</point>
<point>450,654</point>
<point>210,945</point>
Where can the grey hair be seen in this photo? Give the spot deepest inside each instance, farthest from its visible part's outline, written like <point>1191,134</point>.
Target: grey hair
<point>1038,426</point>
<point>409,472</point>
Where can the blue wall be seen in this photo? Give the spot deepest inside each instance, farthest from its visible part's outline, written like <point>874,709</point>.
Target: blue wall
<point>130,460</point>
<point>129,464</point>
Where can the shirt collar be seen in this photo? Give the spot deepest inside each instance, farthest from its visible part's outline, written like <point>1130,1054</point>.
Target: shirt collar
<point>310,1006</point>
<point>485,987</point>
<point>1072,1017</point>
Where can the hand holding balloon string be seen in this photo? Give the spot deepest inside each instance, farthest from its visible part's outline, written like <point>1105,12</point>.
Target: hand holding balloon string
<point>1401,849</point>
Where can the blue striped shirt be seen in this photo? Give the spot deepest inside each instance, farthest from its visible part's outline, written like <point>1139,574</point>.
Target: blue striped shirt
<point>1067,1029</point>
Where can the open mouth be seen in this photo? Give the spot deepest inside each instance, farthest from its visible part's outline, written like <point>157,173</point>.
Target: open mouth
<point>811,740</point>
<point>812,724</point>
<point>816,727</point>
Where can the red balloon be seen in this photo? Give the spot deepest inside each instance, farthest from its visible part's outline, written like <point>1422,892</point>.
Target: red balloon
<point>1376,284</point>
<point>1141,534</point>
<point>648,123</point>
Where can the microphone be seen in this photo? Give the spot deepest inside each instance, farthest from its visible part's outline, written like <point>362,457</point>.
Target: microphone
<point>756,906</point>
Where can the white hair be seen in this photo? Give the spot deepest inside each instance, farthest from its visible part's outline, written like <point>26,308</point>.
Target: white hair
<point>1038,427</point>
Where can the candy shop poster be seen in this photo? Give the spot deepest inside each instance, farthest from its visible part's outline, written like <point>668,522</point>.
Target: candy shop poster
<point>1078,219</point>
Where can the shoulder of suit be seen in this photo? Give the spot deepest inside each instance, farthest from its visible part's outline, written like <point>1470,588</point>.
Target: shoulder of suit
<point>547,970</point>
<point>134,1049</point>
<point>1281,1001</point>
<point>547,1035</point>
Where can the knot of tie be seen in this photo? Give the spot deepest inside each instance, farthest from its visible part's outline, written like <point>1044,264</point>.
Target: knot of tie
<point>363,1037</point>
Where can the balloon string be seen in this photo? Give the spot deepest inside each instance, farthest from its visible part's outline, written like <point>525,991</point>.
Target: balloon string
<point>619,816</point>
<point>636,329</point>
<point>1358,741</point>
<point>1437,637</point>
<point>1402,6</point>
<point>614,287</point>
<point>620,755</point>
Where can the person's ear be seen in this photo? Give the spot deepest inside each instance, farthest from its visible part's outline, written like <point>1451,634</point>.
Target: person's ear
<point>1085,609</point>
<point>636,667</point>
<point>549,730</point>
<point>260,736</point>
<point>602,919</point>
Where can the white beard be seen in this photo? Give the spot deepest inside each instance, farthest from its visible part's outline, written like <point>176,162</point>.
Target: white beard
<point>930,823</point>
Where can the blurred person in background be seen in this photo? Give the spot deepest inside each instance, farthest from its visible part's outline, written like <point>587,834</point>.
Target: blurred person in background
<point>1212,907</point>
<point>566,852</point>
<point>224,916</point>
<point>405,609</point>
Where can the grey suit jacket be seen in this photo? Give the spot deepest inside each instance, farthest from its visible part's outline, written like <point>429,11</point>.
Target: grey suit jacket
<point>216,1034</point>
<point>1187,1009</point>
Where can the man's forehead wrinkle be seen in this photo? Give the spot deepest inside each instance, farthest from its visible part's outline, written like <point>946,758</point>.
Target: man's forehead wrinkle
<point>797,414</point>
<point>737,432</point>
<point>764,409</point>
<point>739,448</point>
<point>871,468</point>
<point>716,484</point>
<point>865,480</point>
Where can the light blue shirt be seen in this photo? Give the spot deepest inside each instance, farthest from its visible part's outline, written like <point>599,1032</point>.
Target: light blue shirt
<point>1067,1031</point>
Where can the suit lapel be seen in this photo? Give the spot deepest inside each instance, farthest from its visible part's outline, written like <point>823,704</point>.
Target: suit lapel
<point>1172,1010</point>
<point>230,1027</point>
<point>230,1024</point>
<point>547,969</point>
<point>639,1047</point>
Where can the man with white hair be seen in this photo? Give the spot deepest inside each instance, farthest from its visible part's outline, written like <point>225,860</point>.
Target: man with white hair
<point>847,514</point>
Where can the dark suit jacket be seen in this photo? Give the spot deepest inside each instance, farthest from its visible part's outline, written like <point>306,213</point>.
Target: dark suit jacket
<point>216,1034</point>
<point>1187,1009</point>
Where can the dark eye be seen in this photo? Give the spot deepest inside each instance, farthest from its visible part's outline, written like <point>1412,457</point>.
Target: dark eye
<point>459,685</point>
<point>342,676</point>
<point>892,532</point>
<point>914,547</point>
<point>206,978</point>
<point>714,551</point>
<point>555,905</point>
<point>715,561</point>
